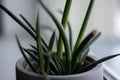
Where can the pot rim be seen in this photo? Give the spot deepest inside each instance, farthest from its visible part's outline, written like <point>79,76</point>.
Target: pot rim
<point>21,68</point>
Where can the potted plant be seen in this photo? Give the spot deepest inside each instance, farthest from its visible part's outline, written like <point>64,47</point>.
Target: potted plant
<point>72,63</point>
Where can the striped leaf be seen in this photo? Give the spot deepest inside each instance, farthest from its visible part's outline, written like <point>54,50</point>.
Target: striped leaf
<point>83,48</point>
<point>84,25</point>
<point>39,46</point>
<point>32,55</point>
<point>63,35</point>
<point>24,55</point>
<point>99,61</point>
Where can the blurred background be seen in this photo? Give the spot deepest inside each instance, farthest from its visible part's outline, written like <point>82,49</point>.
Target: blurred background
<point>105,18</point>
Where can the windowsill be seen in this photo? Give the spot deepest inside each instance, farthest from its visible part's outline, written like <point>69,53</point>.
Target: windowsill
<point>104,47</point>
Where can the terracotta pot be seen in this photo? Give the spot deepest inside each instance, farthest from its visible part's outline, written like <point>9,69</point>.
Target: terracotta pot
<point>22,74</point>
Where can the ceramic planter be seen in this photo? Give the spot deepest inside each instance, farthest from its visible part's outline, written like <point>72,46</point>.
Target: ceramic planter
<point>22,74</point>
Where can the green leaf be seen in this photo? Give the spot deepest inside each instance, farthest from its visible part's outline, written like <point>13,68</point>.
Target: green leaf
<point>77,67</point>
<point>99,61</point>
<point>63,35</point>
<point>25,57</point>
<point>49,52</point>
<point>17,20</point>
<point>35,48</point>
<point>21,23</point>
<point>48,62</point>
<point>51,30</point>
<point>66,13</point>
<point>84,55</point>
<point>32,55</point>
<point>84,42</point>
<point>89,37</point>
<point>33,51</point>
<point>64,23</point>
<point>51,41</point>
<point>39,46</point>
<point>84,25</point>
<point>70,31</point>
<point>28,23</point>
<point>53,67</point>
<point>44,42</point>
<point>83,47</point>
<point>61,64</point>
<point>70,35</point>
<point>55,59</point>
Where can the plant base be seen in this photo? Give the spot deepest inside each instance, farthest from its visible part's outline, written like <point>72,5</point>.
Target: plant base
<point>22,74</point>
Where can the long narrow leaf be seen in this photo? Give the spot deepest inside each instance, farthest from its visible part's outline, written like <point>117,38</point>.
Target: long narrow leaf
<point>44,48</point>
<point>85,41</point>
<point>70,35</point>
<point>99,61</point>
<point>35,48</point>
<point>51,43</point>
<point>61,64</point>
<point>49,52</point>
<point>82,57</point>
<point>76,68</point>
<point>63,35</point>
<point>21,23</point>
<point>64,23</point>
<point>28,23</point>
<point>33,51</point>
<point>84,25</point>
<point>32,55</point>
<point>26,59</point>
<point>83,48</point>
<point>48,62</point>
<point>39,46</point>
<point>51,30</point>
<point>57,64</point>
<point>44,42</point>
<point>53,67</point>
<point>69,30</point>
<point>66,13</point>
<point>17,20</point>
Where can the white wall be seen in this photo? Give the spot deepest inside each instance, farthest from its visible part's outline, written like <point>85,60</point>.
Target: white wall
<point>101,19</point>
<point>26,7</point>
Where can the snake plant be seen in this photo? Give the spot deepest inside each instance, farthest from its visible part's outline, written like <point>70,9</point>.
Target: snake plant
<point>72,59</point>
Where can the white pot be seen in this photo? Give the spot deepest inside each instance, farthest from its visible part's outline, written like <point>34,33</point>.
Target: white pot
<point>22,74</point>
